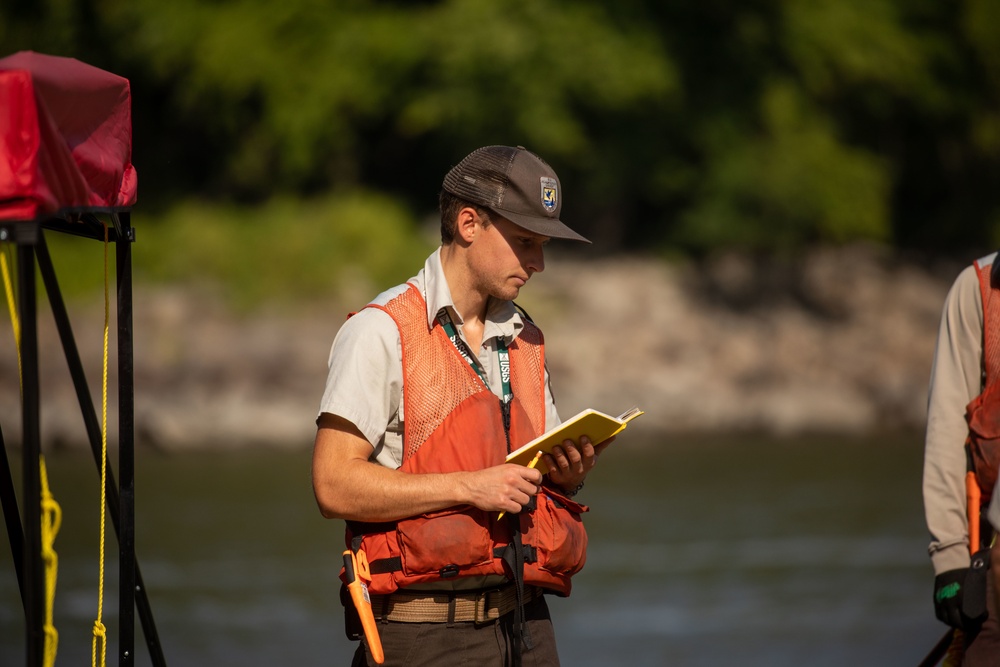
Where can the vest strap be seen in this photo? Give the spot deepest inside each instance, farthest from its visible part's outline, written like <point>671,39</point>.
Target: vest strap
<point>395,564</point>
<point>385,565</point>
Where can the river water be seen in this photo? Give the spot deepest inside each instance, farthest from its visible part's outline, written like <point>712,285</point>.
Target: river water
<point>721,551</point>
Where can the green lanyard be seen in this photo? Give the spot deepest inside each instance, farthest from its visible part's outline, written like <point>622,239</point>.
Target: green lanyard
<point>502,355</point>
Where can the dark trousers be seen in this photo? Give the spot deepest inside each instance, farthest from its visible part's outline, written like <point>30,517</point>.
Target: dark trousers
<point>472,644</point>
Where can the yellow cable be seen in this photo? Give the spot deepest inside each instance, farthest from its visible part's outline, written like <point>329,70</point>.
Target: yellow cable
<point>99,646</point>
<point>12,307</point>
<point>51,521</point>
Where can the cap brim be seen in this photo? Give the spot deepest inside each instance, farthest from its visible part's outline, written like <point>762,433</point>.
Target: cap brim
<point>551,227</point>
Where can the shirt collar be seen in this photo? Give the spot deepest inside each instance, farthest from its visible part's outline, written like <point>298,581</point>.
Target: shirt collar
<point>502,318</point>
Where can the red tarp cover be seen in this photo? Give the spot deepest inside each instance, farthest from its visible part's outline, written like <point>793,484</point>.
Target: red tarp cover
<point>65,138</point>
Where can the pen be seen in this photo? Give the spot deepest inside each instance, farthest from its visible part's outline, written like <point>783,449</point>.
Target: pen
<point>534,462</point>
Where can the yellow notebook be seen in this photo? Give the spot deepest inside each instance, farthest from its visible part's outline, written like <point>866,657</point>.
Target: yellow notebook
<point>595,425</point>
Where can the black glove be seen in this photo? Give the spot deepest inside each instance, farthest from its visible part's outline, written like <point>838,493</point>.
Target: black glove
<point>958,600</point>
<point>948,592</point>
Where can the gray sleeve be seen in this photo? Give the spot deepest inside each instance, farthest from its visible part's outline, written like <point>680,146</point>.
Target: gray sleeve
<point>955,381</point>
<point>365,376</point>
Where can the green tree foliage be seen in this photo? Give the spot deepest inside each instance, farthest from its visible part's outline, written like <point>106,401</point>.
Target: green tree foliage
<point>765,124</point>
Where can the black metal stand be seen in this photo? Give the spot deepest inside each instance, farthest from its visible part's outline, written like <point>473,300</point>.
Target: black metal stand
<point>120,498</point>
<point>11,516</point>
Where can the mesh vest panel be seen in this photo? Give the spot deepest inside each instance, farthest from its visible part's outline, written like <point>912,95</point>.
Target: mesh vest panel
<point>437,379</point>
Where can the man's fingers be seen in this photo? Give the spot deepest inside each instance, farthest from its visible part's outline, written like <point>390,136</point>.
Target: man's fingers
<point>523,490</point>
<point>573,457</point>
<point>566,456</point>
<point>531,475</point>
<point>525,481</point>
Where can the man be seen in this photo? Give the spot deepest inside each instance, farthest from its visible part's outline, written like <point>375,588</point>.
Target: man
<point>430,386</point>
<point>963,434</point>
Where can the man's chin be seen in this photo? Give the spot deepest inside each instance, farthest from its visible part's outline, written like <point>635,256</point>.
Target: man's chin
<point>507,293</point>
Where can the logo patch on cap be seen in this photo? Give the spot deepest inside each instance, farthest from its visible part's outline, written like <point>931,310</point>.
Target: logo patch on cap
<point>550,193</point>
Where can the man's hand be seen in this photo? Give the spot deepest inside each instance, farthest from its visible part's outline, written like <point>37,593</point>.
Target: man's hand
<point>569,463</point>
<point>504,488</point>
<point>948,590</point>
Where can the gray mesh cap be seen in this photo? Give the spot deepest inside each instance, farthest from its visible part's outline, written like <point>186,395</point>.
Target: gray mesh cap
<point>515,184</point>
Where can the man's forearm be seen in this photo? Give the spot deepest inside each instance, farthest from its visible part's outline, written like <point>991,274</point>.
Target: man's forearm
<point>348,486</point>
<point>364,491</point>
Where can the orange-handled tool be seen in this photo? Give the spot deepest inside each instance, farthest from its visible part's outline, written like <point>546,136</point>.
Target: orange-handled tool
<point>951,647</point>
<point>973,499</point>
<point>355,573</point>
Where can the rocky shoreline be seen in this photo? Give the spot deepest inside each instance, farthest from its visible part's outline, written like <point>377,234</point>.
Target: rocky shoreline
<point>838,340</point>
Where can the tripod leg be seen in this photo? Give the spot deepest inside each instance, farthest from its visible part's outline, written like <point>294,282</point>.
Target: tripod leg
<point>12,516</point>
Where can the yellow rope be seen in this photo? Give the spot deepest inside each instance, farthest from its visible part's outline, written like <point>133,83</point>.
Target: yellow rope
<point>12,307</point>
<point>99,647</point>
<point>51,514</point>
<point>51,521</point>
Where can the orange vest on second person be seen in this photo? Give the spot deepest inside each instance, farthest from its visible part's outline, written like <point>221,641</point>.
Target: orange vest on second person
<point>453,422</point>
<point>983,413</point>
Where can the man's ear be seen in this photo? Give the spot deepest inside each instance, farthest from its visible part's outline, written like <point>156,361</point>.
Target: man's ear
<point>467,224</point>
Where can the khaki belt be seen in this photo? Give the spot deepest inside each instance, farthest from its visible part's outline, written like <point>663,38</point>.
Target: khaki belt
<point>445,607</point>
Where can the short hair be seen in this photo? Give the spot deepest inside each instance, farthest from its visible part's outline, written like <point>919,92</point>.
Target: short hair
<point>450,205</point>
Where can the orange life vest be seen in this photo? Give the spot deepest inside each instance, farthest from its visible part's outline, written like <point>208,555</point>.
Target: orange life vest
<point>983,413</point>
<point>453,422</point>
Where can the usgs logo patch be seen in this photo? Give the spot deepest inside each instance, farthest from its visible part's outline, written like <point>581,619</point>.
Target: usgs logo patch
<point>550,193</point>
